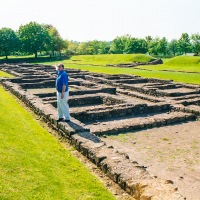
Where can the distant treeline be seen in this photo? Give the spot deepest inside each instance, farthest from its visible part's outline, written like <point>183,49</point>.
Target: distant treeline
<point>34,38</point>
<point>130,45</point>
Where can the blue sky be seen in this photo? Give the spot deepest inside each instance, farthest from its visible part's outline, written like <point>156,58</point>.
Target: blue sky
<point>84,20</point>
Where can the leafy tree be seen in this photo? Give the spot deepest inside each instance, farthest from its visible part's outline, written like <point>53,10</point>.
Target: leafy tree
<point>196,42</point>
<point>73,46</point>
<point>162,46</point>
<point>9,42</point>
<point>104,47</point>
<point>93,47</point>
<point>153,46</point>
<point>83,49</point>
<point>119,44</point>
<point>184,43</point>
<point>135,45</point>
<point>34,37</point>
<point>173,47</point>
<point>56,42</point>
<point>148,39</point>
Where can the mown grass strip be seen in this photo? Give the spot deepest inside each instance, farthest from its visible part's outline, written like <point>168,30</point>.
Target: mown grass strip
<point>5,75</point>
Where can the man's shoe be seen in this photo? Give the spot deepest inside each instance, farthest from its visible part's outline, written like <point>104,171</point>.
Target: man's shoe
<point>67,120</point>
<point>60,119</point>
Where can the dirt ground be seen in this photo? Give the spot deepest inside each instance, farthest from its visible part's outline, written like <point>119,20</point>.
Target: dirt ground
<point>171,152</point>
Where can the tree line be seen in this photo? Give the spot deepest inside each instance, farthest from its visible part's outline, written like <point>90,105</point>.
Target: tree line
<point>34,38</point>
<point>127,44</point>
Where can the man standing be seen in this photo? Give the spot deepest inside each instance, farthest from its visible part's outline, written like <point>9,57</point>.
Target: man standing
<point>62,94</point>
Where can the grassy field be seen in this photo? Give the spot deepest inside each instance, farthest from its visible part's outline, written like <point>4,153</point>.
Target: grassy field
<point>179,63</point>
<point>34,164</point>
<point>184,63</point>
<point>109,59</point>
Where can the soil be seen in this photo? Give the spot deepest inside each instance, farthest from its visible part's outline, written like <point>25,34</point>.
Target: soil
<point>170,152</point>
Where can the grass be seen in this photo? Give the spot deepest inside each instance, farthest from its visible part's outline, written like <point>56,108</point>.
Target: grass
<point>16,57</point>
<point>34,165</point>
<point>184,63</point>
<point>5,75</point>
<point>175,76</point>
<point>109,59</point>
<point>179,63</point>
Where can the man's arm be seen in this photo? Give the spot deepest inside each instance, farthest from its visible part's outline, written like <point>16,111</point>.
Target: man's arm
<point>56,68</point>
<point>63,91</point>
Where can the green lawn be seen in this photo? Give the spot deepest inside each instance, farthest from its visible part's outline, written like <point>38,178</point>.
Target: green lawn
<point>176,76</point>
<point>109,59</point>
<point>5,75</point>
<point>16,57</point>
<point>179,63</point>
<point>34,165</point>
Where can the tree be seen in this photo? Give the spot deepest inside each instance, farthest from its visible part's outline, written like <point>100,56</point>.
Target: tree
<point>148,40</point>
<point>135,45</point>
<point>162,46</point>
<point>73,46</point>
<point>104,47</point>
<point>119,44</point>
<point>184,43</point>
<point>34,37</point>
<point>173,46</point>
<point>153,46</point>
<point>196,43</point>
<point>83,49</point>
<point>9,42</point>
<point>94,47</point>
<point>56,42</point>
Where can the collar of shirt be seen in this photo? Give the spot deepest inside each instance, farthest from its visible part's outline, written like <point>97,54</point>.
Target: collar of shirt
<point>60,72</point>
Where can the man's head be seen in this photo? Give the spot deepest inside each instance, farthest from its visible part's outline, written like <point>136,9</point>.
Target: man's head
<point>60,67</point>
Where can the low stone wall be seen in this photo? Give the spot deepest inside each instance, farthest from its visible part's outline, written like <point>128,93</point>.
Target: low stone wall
<point>109,90</point>
<point>135,64</point>
<point>119,111</point>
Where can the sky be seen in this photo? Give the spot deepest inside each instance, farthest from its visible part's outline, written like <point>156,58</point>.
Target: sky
<point>84,20</point>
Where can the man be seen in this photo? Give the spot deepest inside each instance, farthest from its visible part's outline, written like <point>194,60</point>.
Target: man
<point>62,94</point>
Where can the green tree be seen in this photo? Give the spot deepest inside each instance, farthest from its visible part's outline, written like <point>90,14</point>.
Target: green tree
<point>56,42</point>
<point>104,47</point>
<point>184,43</point>
<point>73,46</point>
<point>173,46</point>
<point>196,43</point>
<point>148,40</point>
<point>119,44</point>
<point>84,49</point>
<point>162,46</point>
<point>9,42</point>
<point>34,37</point>
<point>135,45</point>
<point>94,47</point>
<point>153,46</point>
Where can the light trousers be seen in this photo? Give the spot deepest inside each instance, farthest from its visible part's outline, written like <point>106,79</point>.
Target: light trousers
<point>63,106</point>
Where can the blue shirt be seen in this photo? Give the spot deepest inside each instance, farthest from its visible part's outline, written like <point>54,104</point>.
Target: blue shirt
<point>61,80</point>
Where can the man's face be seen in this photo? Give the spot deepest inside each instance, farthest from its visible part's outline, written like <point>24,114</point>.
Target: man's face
<point>60,68</point>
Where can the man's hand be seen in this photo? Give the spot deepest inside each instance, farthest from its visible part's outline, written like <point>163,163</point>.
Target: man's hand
<point>56,67</point>
<point>62,96</point>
